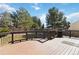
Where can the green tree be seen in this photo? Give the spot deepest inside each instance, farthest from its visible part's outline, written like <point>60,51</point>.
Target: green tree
<point>52,17</point>
<point>15,21</point>
<point>36,22</point>
<point>66,24</point>
<point>56,19</point>
<point>6,19</point>
<point>5,22</point>
<point>24,19</point>
<point>42,26</point>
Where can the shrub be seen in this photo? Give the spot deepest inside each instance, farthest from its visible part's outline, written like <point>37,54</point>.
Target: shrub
<point>3,30</point>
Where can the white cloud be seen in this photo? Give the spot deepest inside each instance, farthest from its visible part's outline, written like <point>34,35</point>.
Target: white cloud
<point>35,6</point>
<point>43,19</point>
<point>5,7</point>
<point>62,10</point>
<point>73,17</point>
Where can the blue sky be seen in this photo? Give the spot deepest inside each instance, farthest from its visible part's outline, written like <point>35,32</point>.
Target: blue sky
<point>70,10</point>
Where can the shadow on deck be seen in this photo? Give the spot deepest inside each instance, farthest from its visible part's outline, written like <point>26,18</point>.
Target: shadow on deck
<point>71,43</point>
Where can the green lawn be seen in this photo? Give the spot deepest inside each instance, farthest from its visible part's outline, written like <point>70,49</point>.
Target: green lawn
<point>6,39</point>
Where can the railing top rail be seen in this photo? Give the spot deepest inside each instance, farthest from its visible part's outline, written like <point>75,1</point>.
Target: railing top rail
<point>74,30</point>
<point>31,31</point>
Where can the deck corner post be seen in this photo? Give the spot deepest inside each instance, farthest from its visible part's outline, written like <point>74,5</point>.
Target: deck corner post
<point>12,38</point>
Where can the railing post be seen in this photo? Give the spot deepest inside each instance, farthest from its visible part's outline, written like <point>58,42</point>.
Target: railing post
<point>43,34</point>
<point>49,36</point>
<point>70,34</point>
<point>12,38</point>
<point>26,36</point>
<point>36,33</point>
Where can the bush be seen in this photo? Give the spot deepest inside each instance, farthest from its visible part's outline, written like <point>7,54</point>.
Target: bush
<point>3,30</point>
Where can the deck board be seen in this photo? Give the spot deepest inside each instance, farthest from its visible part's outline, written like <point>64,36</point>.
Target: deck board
<point>63,53</point>
<point>51,47</point>
<point>76,51</point>
<point>72,51</point>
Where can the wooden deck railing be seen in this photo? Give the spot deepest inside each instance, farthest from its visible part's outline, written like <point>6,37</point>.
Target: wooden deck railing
<point>34,34</point>
<point>40,34</point>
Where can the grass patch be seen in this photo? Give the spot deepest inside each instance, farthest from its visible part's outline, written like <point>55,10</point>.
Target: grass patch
<point>5,40</point>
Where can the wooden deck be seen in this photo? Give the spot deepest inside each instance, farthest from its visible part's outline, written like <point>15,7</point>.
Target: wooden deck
<point>57,46</point>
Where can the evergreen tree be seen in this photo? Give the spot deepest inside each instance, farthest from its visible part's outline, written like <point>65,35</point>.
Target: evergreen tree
<point>37,22</point>
<point>56,19</point>
<point>24,19</point>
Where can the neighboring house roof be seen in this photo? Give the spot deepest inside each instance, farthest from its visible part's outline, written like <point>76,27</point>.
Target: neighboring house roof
<point>74,26</point>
